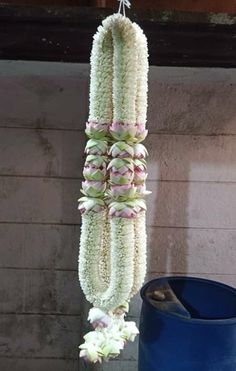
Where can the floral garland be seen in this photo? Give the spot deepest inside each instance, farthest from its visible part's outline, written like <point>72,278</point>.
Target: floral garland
<point>112,259</point>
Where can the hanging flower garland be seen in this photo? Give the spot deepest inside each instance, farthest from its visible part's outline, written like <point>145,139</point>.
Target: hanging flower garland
<point>112,259</point>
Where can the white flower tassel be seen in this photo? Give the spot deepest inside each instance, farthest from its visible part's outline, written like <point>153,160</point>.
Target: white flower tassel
<point>109,338</point>
<point>112,258</point>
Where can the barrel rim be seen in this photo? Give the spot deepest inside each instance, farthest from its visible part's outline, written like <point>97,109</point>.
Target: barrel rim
<point>190,321</point>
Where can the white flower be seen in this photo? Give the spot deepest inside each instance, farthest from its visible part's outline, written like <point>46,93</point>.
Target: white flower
<point>94,337</point>
<point>129,331</point>
<point>91,349</point>
<point>98,318</point>
<point>112,348</point>
<point>122,309</point>
<point>90,354</point>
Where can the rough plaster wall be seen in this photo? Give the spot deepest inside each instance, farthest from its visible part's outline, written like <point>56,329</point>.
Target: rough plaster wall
<point>192,210</point>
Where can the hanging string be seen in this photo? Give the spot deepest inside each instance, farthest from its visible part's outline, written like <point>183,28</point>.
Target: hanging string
<point>123,4</point>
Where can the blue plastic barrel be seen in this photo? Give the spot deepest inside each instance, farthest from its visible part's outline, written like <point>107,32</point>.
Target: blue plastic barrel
<point>194,331</point>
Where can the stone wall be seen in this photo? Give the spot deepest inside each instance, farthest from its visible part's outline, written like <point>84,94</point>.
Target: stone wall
<point>192,209</point>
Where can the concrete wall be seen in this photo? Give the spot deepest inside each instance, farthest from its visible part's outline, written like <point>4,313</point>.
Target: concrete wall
<point>192,210</point>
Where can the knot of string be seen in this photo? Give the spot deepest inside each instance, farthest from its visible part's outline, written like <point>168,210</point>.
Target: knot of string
<point>123,4</point>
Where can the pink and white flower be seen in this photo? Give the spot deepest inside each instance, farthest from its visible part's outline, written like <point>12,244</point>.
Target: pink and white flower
<point>140,172</point>
<point>141,190</point>
<point>123,131</point>
<point>121,171</point>
<point>141,132</point>
<point>125,178</point>
<point>96,130</point>
<point>93,174</point>
<point>121,150</point>
<point>95,168</point>
<point>128,209</point>
<point>96,147</point>
<point>140,151</point>
<point>87,204</point>
<point>93,188</point>
<point>98,318</point>
<point>128,132</point>
<point>121,210</point>
<point>122,192</point>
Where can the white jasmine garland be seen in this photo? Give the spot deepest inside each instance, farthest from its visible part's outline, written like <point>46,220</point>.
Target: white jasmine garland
<point>90,242</point>
<point>104,262</point>
<point>101,77</point>
<point>140,254</point>
<point>93,283</point>
<point>105,87</point>
<point>121,266</point>
<point>95,74</point>
<point>125,65</point>
<point>142,72</point>
<point>112,259</point>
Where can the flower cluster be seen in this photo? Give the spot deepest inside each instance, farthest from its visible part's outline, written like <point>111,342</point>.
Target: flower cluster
<point>109,338</point>
<point>128,132</point>
<point>96,130</point>
<point>127,175</point>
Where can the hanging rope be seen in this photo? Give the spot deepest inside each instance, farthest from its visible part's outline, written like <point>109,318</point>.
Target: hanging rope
<point>123,4</point>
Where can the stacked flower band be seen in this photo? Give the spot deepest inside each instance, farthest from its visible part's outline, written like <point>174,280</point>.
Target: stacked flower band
<point>112,259</point>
